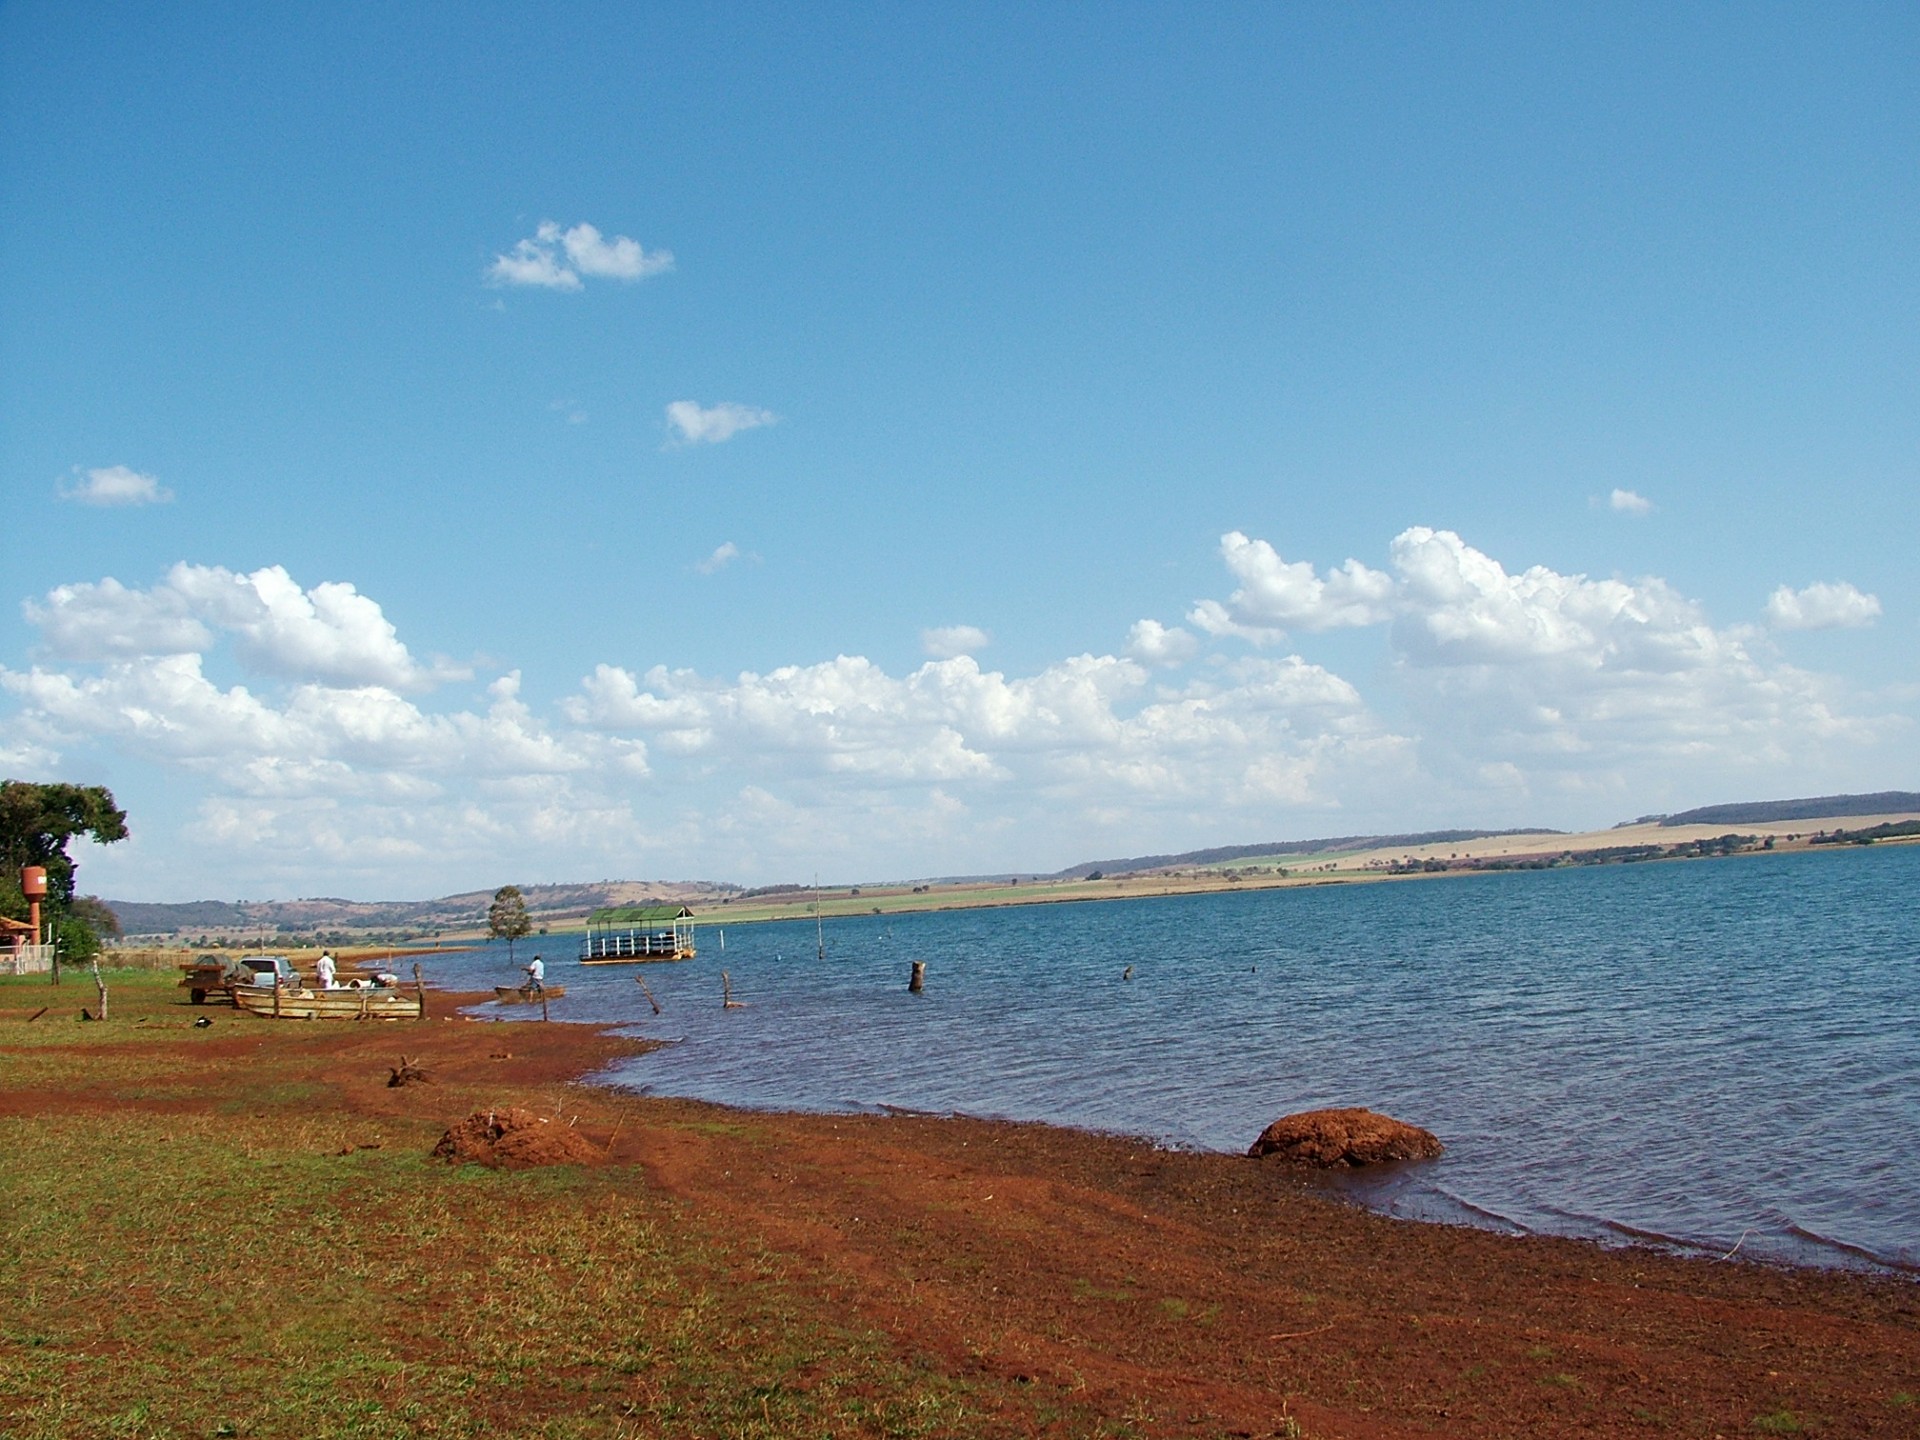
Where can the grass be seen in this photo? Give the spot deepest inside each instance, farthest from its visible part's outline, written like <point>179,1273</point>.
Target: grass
<point>225,1270</point>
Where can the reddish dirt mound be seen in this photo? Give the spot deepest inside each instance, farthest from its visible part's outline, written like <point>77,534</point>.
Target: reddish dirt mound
<point>1328,1138</point>
<point>516,1139</point>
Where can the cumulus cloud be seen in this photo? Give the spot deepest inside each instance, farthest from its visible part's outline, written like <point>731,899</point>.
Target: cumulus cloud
<point>554,258</point>
<point>694,424</point>
<point>1152,643</point>
<point>1822,606</point>
<point>1572,681</point>
<point>1082,731</point>
<point>113,485</point>
<point>1518,688</point>
<point>945,642</point>
<point>1626,502</point>
<point>1276,596</point>
<point>1459,606</point>
<point>330,634</point>
<point>723,555</point>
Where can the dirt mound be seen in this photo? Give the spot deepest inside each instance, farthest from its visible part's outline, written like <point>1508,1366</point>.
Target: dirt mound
<point>516,1139</point>
<point>1329,1138</point>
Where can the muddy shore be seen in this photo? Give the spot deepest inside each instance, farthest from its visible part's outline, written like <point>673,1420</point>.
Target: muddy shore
<point>1137,1290</point>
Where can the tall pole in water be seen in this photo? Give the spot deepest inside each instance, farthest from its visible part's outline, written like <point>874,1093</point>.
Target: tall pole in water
<point>819,930</point>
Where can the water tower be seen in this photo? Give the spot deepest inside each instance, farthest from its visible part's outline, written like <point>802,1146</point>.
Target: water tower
<point>33,884</point>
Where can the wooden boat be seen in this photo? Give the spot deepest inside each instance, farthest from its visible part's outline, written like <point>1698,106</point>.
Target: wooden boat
<point>525,994</point>
<point>283,1003</point>
<point>635,934</point>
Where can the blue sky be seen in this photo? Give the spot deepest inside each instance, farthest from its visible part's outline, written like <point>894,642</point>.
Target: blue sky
<point>446,445</point>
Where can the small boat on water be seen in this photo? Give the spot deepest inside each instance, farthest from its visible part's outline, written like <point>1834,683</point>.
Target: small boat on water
<point>526,994</point>
<point>635,934</point>
<point>282,1002</point>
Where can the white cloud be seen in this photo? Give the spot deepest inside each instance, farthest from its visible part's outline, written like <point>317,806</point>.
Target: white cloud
<point>1626,502</point>
<point>330,634</point>
<point>945,642</point>
<point>1822,606</point>
<point>1581,683</point>
<point>1276,596</point>
<point>114,485</point>
<point>1152,643</point>
<point>1523,695</point>
<point>1458,606</point>
<point>615,259</point>
<point>724,555</point>
<point>1081,732</point>
<point>1603,684</point>
<point>554,258</point>
<point>711,425</point>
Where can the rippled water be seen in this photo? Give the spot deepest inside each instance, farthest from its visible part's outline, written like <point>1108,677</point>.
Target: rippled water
<point>1710,1054</point>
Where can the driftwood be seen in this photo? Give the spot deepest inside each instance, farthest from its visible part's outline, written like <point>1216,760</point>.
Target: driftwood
<point>919,981</point>
<point>407,1073</point>
<point>38,1013</point>
<point>649,994</point>
<point>727,1002</point>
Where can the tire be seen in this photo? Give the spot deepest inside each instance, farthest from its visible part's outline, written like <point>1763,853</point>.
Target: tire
<point>199,997</point>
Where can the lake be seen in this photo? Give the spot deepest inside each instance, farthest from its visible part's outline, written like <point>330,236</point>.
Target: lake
<point>1705,1054</point>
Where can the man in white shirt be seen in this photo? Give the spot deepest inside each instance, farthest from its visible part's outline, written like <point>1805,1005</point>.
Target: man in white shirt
<point>323,972</point>
<point>536,974</point>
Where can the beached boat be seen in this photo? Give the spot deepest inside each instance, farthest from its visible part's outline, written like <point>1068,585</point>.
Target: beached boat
<point>283,1003</point>
<point>635,934</point>
<point>526,994</point>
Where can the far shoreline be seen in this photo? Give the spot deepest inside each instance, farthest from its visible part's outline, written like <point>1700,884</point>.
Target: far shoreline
<point>1494,855</point>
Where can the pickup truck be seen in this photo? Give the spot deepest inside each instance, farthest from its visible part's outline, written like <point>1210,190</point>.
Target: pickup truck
<point>210,974</point>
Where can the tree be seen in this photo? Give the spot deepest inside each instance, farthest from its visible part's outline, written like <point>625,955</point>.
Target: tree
<point>507,917</point>
<point>36,822</point>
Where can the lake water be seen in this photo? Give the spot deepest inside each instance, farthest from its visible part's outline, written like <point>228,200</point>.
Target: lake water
<point>1708,1054</point>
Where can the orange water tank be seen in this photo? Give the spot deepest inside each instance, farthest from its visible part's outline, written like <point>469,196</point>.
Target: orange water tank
<point>33,882</point>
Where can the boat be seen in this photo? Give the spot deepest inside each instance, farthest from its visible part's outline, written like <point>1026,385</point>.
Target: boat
<point>526,994</point>
<point>636,934</point>
<point>373,1002</point>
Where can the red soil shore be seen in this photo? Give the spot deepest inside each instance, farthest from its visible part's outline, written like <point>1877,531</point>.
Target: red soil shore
<point>1179,1293</point>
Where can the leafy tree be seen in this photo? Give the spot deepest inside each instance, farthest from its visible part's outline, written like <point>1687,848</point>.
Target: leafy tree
<point>507,917</point>
<point>36,822</point>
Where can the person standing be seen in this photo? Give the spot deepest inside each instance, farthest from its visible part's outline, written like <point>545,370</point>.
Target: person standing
<point>536,974</point>
<point>323,972</point>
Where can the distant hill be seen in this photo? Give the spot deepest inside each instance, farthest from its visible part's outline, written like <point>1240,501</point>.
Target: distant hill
<point>1223,853</point>
<point>549,905</point>
<point>1819,807</point>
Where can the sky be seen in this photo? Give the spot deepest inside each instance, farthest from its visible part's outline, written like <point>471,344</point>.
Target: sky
<point>451,445</point>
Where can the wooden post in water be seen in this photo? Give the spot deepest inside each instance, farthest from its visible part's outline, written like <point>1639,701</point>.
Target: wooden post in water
<point>543,1002</point>
<point>727,1002</point>
<point>648,993</point>
<point>919,980</point>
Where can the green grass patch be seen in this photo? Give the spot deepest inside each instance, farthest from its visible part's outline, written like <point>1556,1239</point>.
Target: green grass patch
<point>229,1272</point>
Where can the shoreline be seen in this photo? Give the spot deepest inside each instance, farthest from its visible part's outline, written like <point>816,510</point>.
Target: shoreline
<point>1040,1278</point>
<point>1491,855</point>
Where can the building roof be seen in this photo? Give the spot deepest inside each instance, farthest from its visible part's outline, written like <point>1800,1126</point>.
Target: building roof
<point>638,915</point>
<point>10,925</point>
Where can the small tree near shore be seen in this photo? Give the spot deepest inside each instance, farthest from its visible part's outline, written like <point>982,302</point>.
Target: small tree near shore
<point>507,917</point>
